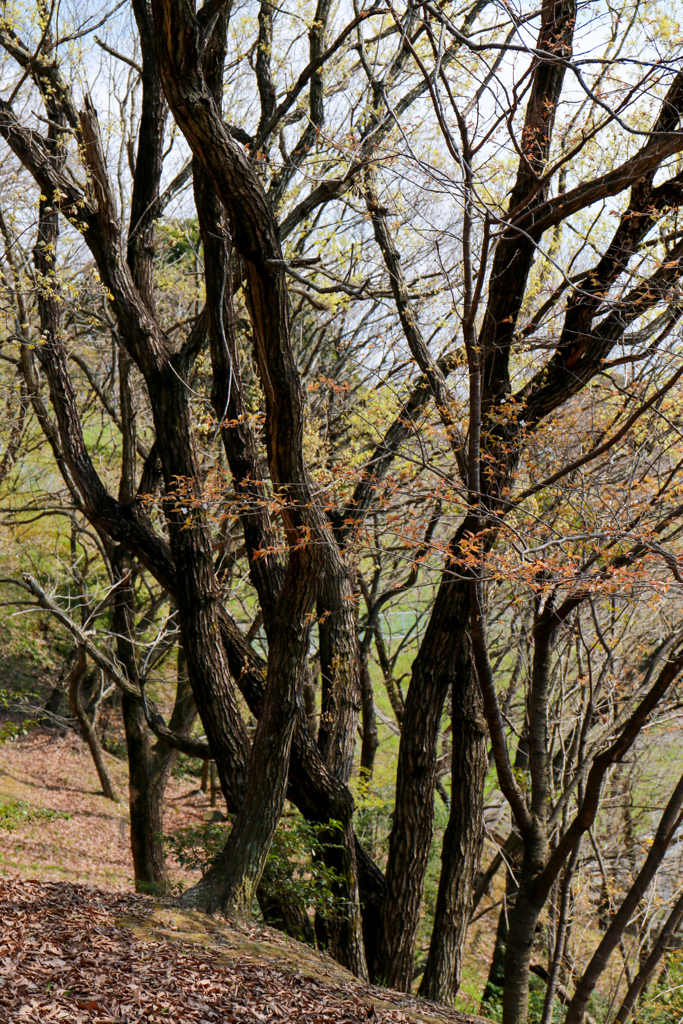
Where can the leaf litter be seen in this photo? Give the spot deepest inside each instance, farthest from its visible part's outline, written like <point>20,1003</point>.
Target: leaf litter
<point>66,956</point>
<point>72,830</point>
<point>100,953</point>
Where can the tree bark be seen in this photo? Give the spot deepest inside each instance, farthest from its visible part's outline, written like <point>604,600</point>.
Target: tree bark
<point>435,670</point>
<point>230,885</point>
<point>146,802</point>
<point>370,737</point>
<point>339,668</point>
<point>78,711</point>
<point>462,842</point>
<point>255,235</point>
<point>522,921</point>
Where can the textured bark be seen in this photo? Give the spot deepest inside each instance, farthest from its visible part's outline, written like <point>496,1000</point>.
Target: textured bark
<point>148,766</point>
<point>227,398</point>
<point>44,256</point>
<point>322,798</point>
<point>462,844</point>
<point>435,670</point>
<point>316,104</point>
<point>126,523</point>
<point>524,915</point>
<point>86,727</point>
<point>179,42</point>
<point>190,571</point>
<point>340,706</point>
<point>339,668</point>
<point>146,802</point>
<point>522,921</point>
<point>148,162</point>
<point>562,928</point>
<point>232,881</point>
<point>241,451</point>
<point>370,735</point>
<point>197,594</point>
<point>539,869</point>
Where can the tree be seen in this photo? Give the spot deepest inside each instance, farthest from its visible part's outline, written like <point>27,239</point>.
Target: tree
<point>507,312</point>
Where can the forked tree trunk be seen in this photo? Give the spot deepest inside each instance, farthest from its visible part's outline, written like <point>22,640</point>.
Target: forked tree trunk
<point>462,841</point>
<point>230,885</point>
<point>89,734</point>
<point>180,46</point>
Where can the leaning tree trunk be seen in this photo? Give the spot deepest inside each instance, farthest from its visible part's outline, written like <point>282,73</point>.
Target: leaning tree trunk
<point>86,726</point>
<point>180,44</point>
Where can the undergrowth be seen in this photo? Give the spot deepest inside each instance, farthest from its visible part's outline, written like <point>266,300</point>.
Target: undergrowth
<point>14,813</point>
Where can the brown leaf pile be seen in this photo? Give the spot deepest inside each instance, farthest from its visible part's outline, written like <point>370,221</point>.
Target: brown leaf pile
<point>64,958</point>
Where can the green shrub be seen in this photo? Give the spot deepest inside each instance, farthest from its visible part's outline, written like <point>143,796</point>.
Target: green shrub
<point>14,813</point>
<point>663,1003</point>
<point>494,1007</point>
<point>186,768</point>
<point>294,870</point>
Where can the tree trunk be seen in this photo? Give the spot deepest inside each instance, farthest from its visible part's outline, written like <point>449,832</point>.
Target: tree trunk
<point>230,885</point>
<point>462,842</point>
<point>339,668</point>
<point>341,934</point>
<point>369,717</point>
<point>146,800</point>
<point>522,922</point>
<point>435,670</point>
<point>78,711</point>
<point>148,769</point>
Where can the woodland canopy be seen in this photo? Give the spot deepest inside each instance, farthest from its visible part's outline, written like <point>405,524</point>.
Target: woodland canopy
<point>341,373</point>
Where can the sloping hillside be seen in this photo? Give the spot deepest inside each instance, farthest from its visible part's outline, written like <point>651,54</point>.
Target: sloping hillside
<point>81,954</point>
<point>76,944</point>
<point>58,825</point>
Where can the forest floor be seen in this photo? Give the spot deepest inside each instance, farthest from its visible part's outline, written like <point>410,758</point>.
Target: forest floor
<point>62,826</point>
<point>77,945</point>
